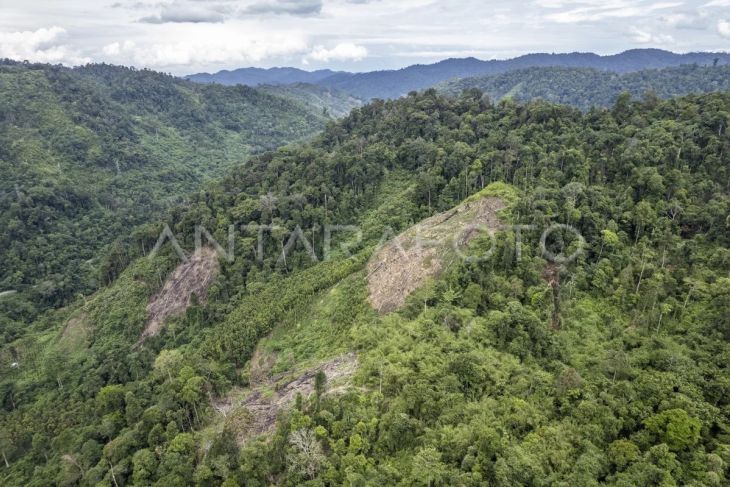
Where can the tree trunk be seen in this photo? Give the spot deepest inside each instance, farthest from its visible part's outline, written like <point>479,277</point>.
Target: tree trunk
<point>114,478</point>
<point>641,275</point>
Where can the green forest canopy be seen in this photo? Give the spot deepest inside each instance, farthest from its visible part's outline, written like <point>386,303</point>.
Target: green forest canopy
<point>585,88</point>
<point>616,373</point>
<point>87,154</point>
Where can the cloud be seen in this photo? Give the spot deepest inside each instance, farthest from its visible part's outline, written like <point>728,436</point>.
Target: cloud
<point>187,13</point>
<point>341,52</point>
<point>565,3</point>
<point>42,46</point>
<point>206,50</point>
<point>608,10</point>
<point>116,48</point>
<point>645,37</point>
<point>723,28</point>
<point>693,21</point>
<point>204,11</point>
<point>285,7</point>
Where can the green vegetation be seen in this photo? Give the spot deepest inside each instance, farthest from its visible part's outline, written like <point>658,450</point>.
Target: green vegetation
<point>608,369</point>
<point>88,154</point>
<point>586,88</point>
<point>327,101</point>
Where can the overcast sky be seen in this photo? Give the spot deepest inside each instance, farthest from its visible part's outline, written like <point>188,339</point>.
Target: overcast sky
<point>187,36</point>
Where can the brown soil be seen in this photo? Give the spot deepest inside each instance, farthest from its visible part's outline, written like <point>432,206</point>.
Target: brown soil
<point>405,263</point>
<point>190,278</point>
<point>254,413</point>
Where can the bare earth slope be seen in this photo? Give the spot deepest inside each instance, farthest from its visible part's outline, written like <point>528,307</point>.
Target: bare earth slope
<point>405,263</point>
<point>190,278</point>
<point>252,413</point>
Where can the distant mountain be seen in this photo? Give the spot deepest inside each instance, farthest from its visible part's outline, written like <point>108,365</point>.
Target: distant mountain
<point>586,87</point>
<point>393,84</point>
<point>259,76</point>
<point>396,83</point>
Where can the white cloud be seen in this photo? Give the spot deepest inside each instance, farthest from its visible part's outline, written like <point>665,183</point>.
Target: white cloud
<point>231,48</point>
<point>684,20</point>
<point>116,49</point>
<point>645,37</point>
<point>608,10</point>
<point>42,46</point>
<point>341,52</point>
<point>723,28</point>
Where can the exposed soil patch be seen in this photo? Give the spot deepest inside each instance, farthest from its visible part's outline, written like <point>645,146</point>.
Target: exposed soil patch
<point>254,413</point>
<point>405,263</point>
<point>190,278</point>
<point>75,332</point>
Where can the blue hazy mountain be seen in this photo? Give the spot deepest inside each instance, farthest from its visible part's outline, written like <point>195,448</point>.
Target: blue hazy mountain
<point>259,76</point>
<point>396,83</point>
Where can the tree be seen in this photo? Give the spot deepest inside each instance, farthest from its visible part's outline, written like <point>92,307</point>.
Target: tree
<point>427,468</point>
<point>622,453</point>
<point>675,428</point>
<point>306,458</point>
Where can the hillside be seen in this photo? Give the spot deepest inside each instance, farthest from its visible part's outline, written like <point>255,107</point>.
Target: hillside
<point>397,83</point>
<point>522,360</point>
<point>586,88</point>
<point>326,101</point>
<point>88,154</point>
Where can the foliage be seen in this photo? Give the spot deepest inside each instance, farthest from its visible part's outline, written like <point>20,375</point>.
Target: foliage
<point>88,154</point>
<point>586,88</point>
<point>513,370</point>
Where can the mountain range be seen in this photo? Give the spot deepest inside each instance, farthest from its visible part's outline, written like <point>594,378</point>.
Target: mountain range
<point>259,76</point>
<point>396,83</point>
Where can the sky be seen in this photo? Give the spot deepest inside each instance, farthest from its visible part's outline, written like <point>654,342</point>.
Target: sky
<point>190,36</point>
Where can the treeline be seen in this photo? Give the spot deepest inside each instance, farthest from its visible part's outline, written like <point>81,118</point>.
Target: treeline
<point>585,88</point>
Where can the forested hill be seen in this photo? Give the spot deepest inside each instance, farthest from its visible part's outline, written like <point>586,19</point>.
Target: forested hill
<point>87,154</point>
<point>585,88</point>
<point>508,368</point>
<point>259,76</point>
<point>396,83</point>
<point>327,101</point>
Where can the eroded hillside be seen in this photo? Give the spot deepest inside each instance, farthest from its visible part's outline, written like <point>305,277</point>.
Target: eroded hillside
<point>420,253</point>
